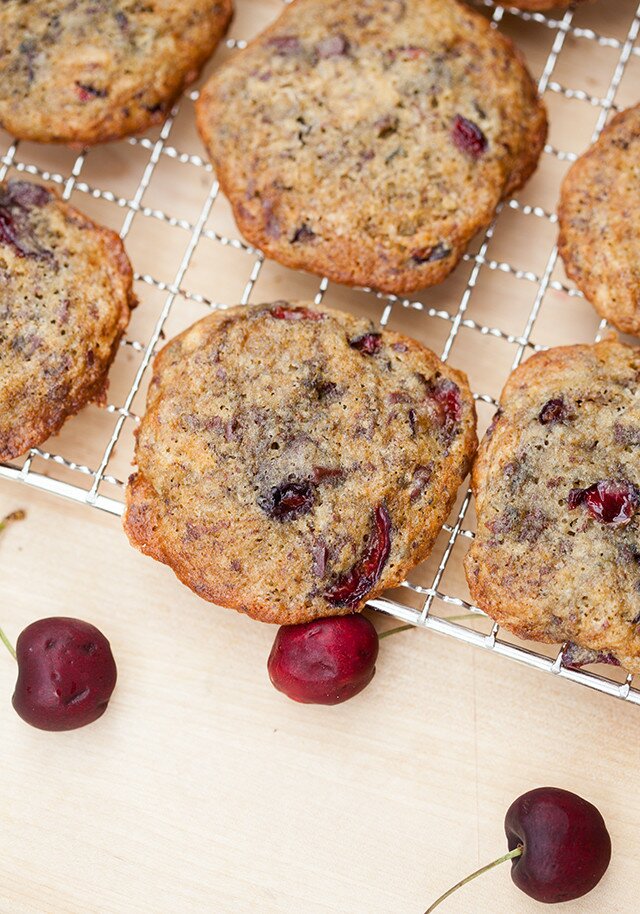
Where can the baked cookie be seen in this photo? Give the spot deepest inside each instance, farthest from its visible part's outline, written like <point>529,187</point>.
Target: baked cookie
<point>369,140</point>
<point>557,485</point>
<point>65,296</point>
<point>599,217</point>
<point>294,462</point>
<point>84,73</point>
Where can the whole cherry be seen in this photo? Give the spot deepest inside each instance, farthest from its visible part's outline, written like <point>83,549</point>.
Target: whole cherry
<point>66,674</point>
<point>66,671</point>
<point>329,660</point>
<point>326,661</point>
<point>559,846</point>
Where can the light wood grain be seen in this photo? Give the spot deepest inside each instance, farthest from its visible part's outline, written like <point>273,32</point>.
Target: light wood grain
<point>202,790</point>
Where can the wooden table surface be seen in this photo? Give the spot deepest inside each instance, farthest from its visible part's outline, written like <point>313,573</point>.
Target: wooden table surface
<point>203,790</point>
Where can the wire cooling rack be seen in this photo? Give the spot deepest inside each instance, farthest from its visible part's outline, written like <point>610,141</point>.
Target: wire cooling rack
<point>165,203</point>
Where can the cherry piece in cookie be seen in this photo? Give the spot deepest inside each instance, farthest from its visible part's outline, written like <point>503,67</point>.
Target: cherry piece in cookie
<point>66,674</point>
<point>353,586</point>
<point>609,501</point>
<point>326,661</point>
<point>468,137</point>
<point>368,343</point>
<point>284,312</point>
<point>554,410</point>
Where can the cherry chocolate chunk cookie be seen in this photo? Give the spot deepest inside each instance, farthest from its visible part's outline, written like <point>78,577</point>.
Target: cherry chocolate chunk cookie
<point>369,140</point>
<point>65,299</point>
<point>557,485</point>
<point>294,462</point>
<point>600,222</point>
<point>86,72</point>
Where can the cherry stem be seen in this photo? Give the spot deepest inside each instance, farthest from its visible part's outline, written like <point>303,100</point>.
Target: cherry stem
<point>394,631</point>
<point>405,628</point>
<point>9,646</point>
<point>15,515</point>
<point>516,852</point>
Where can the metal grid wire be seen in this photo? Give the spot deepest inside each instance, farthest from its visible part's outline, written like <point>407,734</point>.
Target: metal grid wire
<point>161,148</point>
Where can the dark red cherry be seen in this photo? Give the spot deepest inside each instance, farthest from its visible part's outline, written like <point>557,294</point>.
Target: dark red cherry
<point>559,847</point>
<point>326,661</point>
<point>566,847</point>
<point>368,343</point>
<point>66,674</point>
<point>352,587</point>
<point>468,137</point>
<point>609,501</point>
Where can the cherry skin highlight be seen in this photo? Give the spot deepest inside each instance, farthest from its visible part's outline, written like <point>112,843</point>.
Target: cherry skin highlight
<point>66,674</point>
<point>326,661</point>
<point>566,847</point>
<point>610,501</point>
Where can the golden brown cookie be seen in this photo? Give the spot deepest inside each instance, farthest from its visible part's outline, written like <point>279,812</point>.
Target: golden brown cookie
<point>65,298</point>
<point>557,485</point>
<point>600,222</point>
<point>86,72</point>
<point>369,140</point>
<point>293,462</point>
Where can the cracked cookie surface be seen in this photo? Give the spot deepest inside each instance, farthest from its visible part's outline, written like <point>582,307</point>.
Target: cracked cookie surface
<point>65,300</point>
<point>557,485</point>
<point>83,73</point>
<point>600,223</point>
<point>369,141</point>
<point>293,462</point>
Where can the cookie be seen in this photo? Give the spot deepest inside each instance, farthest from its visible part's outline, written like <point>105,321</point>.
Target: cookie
<point>557,483</point>
<point>65,297</point>
<point>599,217</point>
<point>84,73</point>
<point>293,462</point>
<point>369,141</point>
